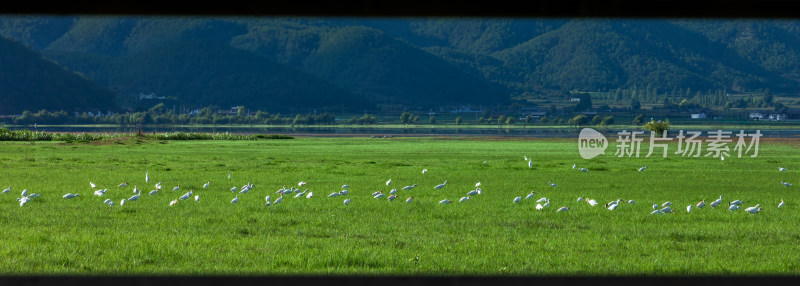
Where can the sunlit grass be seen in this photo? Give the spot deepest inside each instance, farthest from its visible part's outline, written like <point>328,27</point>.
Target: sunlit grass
<point>486,235</point>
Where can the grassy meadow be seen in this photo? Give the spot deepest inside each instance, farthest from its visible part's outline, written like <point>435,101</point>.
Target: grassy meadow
<point>486,235</point>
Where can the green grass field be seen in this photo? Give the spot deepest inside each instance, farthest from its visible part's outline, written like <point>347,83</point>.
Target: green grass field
<point>487,235</point>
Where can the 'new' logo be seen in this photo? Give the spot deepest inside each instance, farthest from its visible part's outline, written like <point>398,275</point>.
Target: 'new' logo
<point>591,143</point>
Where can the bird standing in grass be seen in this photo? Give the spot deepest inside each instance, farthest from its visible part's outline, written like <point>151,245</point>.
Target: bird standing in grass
<point>780,205</point>
<point>424,170</point>
<point>552,184</point>
<point>517,199</point>
<point>701,204</point>
<point>197,198</point>
<point>347,201</point>
<point>440,186</point>
<point>781,169</point>
<point>592,202</point>
<point>235,200</point>
<point>689,209</point>
<point>786,184</point>
<point>463,199</point>
<point>642,168</point>
<point>388,182</point>
<point>715,203</point>
<point>406,188</point>
<point>173,202</point>
<point>584,170</point>
<point>70,195</point>
<point>147,177</point>
<point>445,201</point>
<point>562,209</point>
<point>529,196</point>
<point>733,207</point>
<point>206,185</point>
<point>91,184</point>
<point>409,199</point>
<point>122,185</point>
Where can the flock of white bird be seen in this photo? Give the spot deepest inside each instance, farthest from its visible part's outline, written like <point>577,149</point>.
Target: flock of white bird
<point>542,203</point>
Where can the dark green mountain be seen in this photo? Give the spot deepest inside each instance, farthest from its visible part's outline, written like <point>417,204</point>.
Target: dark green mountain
<point>417,61</point>
<point>29,82</point>
<point>207,72</point>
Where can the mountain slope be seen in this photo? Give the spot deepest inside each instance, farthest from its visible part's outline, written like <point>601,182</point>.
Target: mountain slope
<point>207,72</point>
<point>29,82</point>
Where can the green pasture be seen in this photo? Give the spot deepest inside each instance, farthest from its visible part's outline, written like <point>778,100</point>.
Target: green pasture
<point>486,235</point>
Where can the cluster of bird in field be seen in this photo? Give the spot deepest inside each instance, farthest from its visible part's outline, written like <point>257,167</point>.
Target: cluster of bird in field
<point>542,203</point>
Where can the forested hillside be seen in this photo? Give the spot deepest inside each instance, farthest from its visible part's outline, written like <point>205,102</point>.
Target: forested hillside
<point>355,63</point>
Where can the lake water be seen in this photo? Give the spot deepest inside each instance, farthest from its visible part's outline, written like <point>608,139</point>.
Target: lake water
<point>395,132</point>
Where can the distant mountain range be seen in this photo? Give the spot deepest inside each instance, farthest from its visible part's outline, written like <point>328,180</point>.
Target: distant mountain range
<point>352,64</point>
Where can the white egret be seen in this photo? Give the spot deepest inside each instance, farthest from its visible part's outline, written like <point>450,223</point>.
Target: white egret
<point>409,199</point>
<point>229,175</point>
<point>206,185</point>
<point>689,208</point>
<point>530,164</point>
<point>122,185</point>
<point>34,195</point>
<point>134,197</point>
<point>153,192</point>
<point>580,199</point>
<point>99,193</point>
<point>173,202</point>
<point>517,199</point>
<point>233,190</point>
<point>376,193</point>
<point>24,193</point>
<point>529,196</point>
<point>552,184</point>
<point>279,200</point>
<point>392,198</point>
<point>424,170</point>
<point>299,194</point>
<point>70,195</point>
<point>341,193</point>
<point>110,203</point>
<point>736,202</point>
<point>379,195</point>
<point>147,177</point>
<point>591,201</point>
<point>91,184</point>
<point>158,186</point>
<point>178,187</point>
<point>781,204</point>
<point>135,189</point>
<point>478,184</point>
<point>656,212</point>
<point>786,184</point>
<point>473,192</point>
<point>613,207</point>
<point>235,200</point>
<point>197,198</point>
<point>345,186</point>
<point>107,201</point>
<point>562,209</point>
<point>642,168</point>
<point>701,204</point>
<point>445,201</point>
<point>122,202</point>
<point>406,188</point>
<point>333,195</point>
<point>7,190</point>
<point>526,158</point>
<point>631,201</point>
<point>388,182</point>
<point>754,210</point>
<point>346,202</point>
<point>463,199</point>
<point>781,169</point>
<point>655,206</point>
<point>245,190</point>
<point>539,207</point>
<point>440,186</point>
<point>733,207</point>
<point>23,201</point>
<point>268,199</point>
<point>715,203</point>
<point>546,203</point>
<point>666,204</point>
<point>722,158</point>
<point>185,196</point>
<point>583,170</point>
<point>574,165</point>
<point>666,210</point>
<point>393,191</point>
<point>300,184</point>
<point>540,200</point>
<point>310,194</point>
